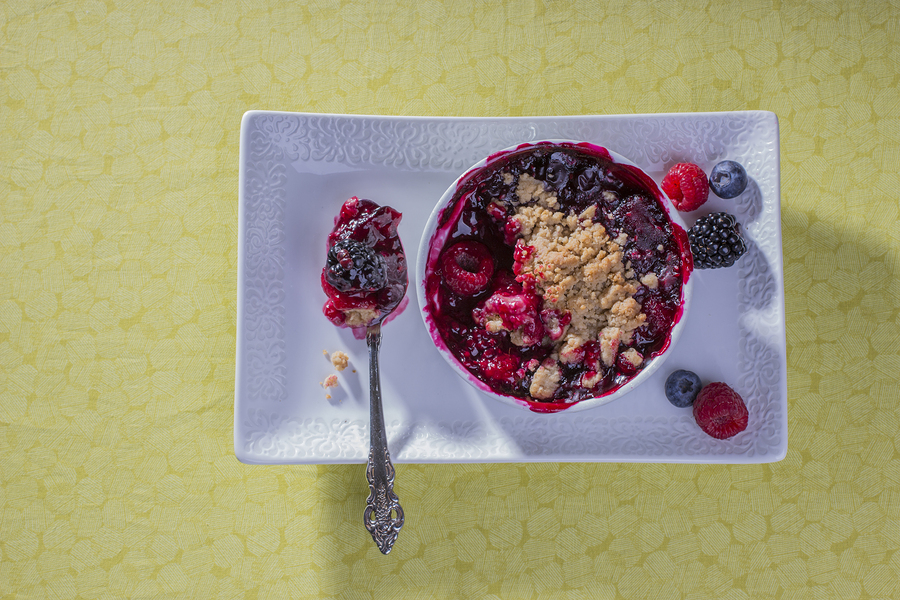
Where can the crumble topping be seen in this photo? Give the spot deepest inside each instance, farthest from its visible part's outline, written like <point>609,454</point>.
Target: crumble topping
<point>633,356</point>
<point>579,270</point>
<point>546,380</point>
<point>650,280</point>
<point>339,360</point>
<point>359,317</point>
<point>590,379</point>
<point>330,381</point>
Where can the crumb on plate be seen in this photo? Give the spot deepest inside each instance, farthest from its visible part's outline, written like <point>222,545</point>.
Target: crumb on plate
<point>339,360</point>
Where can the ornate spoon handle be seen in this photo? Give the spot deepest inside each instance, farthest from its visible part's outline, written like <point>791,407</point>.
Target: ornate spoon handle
<point>382,500</point>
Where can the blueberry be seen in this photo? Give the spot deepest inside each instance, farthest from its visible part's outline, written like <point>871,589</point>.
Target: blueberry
<point>716,241</point>
<point>682,388</point>
<point>728,179</point>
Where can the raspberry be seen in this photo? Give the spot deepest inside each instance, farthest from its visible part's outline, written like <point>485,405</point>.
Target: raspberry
<point>511,230</point>
<point>521,255</point>
<point>720,411</point>
<point>467,268</point>
<point>687,186</point>
<point>501,368</point>
<point>517,311</point>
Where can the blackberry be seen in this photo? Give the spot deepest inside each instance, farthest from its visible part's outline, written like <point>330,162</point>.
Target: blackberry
<point>353,266</point>
<point>716,241</point>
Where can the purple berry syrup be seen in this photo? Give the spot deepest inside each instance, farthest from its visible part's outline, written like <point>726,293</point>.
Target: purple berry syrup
<point>579,174</point>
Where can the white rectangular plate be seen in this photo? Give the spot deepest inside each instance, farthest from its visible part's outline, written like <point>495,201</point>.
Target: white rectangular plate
<point>297,169</point>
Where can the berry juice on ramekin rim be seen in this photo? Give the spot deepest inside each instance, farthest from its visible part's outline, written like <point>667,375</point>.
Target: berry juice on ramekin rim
<point>554,275</point>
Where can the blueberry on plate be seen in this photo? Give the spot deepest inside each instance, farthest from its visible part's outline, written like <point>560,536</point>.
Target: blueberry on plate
<point>682,388</point>
<point>728,179</point>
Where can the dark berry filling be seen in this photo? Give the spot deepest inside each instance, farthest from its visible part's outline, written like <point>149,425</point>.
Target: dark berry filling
<point>365,274</point>
<point>479,300</point>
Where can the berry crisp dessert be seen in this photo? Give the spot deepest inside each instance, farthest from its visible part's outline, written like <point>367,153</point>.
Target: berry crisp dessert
<point>555,274</point>
<point>365,274</point>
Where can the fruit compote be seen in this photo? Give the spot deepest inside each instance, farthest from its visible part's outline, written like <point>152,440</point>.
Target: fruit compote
<point>365,274</point>
<point>555,274</point>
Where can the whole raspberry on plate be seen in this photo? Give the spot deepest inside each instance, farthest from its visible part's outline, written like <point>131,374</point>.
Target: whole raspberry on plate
<point>720,411</point>
<point>687,186</point>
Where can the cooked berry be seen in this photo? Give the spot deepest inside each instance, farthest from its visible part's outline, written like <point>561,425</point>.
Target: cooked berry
<point>728,179</point>
<point>659,318</point>
<point>720,411</point>
<point>495,187</point>
<point>686,185</point>
<point>637,216</point>
<point>517,311</point>
<point>682,388</point>
<point>716,241</point>
<point>467,268</point>
<point>559,168</point>
<point>352,265</point>
<point>501,367</point>
<point>596,178</point>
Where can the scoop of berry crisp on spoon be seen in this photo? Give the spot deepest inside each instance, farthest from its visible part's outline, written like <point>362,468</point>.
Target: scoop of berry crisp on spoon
<point>365,278</point>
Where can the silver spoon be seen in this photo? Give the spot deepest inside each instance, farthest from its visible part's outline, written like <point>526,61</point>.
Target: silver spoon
<point>354,266</point>
<point>383,515</point>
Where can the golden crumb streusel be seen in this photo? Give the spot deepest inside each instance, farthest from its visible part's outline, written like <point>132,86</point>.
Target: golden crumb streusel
<point>546,380</point>
<point>578,269</point>
<point>340,360</point>
<point>359,317</point>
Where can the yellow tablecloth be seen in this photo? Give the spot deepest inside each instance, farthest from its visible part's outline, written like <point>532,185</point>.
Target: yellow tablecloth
<point>118,249</point>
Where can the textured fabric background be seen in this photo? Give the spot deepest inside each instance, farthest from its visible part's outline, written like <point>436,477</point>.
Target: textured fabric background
<point>118,233</point>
